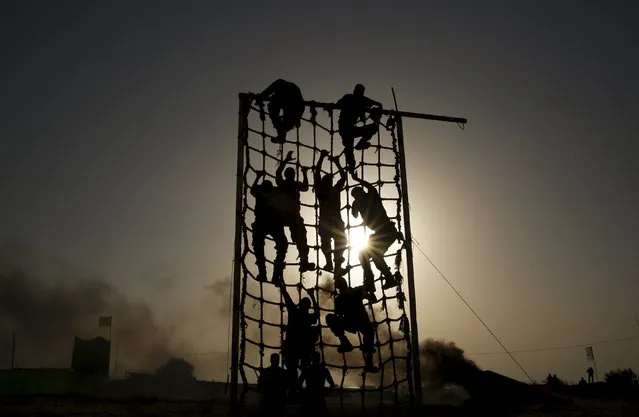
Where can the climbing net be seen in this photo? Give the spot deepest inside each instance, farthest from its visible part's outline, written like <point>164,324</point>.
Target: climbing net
<point>263,314</point>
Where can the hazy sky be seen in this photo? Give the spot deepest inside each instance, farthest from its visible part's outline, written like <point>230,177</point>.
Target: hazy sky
<point>118,144</point>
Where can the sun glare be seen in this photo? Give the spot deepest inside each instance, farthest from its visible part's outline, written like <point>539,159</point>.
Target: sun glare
<point>358,239</point>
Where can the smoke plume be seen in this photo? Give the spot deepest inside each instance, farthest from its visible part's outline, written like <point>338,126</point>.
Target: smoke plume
<point>442,363</point>
<point>47,303</point>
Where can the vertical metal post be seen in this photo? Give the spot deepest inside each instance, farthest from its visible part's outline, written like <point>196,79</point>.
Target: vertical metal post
<point>242,137</point>
<point>110,346</point>
<point>13,351</point>
<point>417,374</point>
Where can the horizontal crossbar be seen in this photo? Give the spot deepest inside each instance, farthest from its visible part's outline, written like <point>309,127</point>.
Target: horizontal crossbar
<point>405,114</point>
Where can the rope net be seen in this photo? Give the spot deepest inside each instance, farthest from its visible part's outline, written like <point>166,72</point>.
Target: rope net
<point>263,309</point>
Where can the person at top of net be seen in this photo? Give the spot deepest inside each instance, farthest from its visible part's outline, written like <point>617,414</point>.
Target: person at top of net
<point>350,316</point>
<point>316,376</point>
<point>370,206</point>
<point>291,189</point>
<point>331,225</point>
<point>353,108</point>
<point>271,384</point>
<point>285,108</point>
<point>302,332</point>
<point>268,221</point>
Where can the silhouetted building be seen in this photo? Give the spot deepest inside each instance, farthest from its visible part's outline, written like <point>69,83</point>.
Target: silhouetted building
<point>91,357</point>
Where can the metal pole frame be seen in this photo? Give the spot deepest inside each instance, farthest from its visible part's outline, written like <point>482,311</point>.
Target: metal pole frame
<point>244,108</point>
<point>412,300</point>
<point>242,138</point>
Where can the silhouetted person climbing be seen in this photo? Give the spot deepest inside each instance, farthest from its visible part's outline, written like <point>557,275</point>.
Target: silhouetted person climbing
<point>268,221</point>
<point>353,108</point>
<point>316,375</point>
<point>350,316</point>
<point>301,334</point>
<point>591,375</point>
<point>291,190</point>
<point>271,384</point>
<point>369,205</point>
<point>285,108</point>
<point>331,225</point>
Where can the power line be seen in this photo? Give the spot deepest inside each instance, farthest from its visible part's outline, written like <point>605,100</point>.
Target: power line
<point>601,342</point>
<point>473,311</point>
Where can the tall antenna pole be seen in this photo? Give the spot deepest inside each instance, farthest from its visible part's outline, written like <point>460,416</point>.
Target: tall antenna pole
<point>235,333</point>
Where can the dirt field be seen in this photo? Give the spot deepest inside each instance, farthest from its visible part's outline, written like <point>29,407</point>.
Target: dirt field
<point>85,406</point>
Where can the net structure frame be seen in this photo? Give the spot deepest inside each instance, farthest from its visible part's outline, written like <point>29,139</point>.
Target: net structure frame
<point>256,334</point>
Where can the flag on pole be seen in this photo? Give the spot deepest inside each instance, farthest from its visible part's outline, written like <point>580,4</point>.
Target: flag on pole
<point>589,354</point>
<point>104,321</point>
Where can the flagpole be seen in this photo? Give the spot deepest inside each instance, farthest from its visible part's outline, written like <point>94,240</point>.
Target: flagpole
<point>13,351</point>
<point>110,342</point>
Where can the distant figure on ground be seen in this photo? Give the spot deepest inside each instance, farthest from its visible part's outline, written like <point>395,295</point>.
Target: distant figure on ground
<point>316,376</point>
<point>301,334</point>
<point>331,225</point>
<point>591,375</point>
<point>285,108</point>
<point>291,190</point>
<point>271,385</point>
<point>268,221</point>
<point>350,316</point>
<point>353,109</point>
<point>582,381</point>
<point>369,205</point>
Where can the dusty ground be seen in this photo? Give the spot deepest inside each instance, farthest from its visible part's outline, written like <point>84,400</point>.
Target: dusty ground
<point>85,406</point>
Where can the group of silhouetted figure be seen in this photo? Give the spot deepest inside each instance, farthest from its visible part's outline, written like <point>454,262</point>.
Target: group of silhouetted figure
<point>277,208</point>
<point>553,381</point>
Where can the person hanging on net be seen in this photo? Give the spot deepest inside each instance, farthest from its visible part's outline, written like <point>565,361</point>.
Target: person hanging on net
<point>268,221</point>
<point>301,334</point>
<point>291,189</point>
<point>316,375</point>
<point>331,225</point>
<point>353,108</point>
<point>271,384</point>
<point>350,316</point>
<point>285,108</point>
<point>370,206</point>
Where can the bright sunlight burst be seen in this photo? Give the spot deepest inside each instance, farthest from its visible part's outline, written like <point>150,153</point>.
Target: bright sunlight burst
<point>358,239</point>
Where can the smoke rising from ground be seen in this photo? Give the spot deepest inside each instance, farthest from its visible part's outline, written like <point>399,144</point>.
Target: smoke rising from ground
<point>46,303</point>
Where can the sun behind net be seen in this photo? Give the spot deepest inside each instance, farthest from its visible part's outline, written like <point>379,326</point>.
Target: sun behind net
<point>264,311</point>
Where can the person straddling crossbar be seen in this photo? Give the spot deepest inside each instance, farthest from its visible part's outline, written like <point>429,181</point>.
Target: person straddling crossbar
<point>353,108</point>
<point>285,108</point>
<point>292,218</point>
<point>370,206</point>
